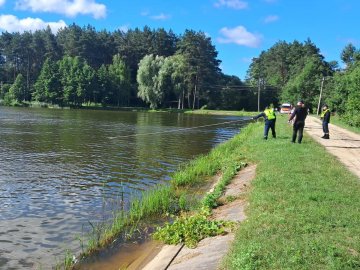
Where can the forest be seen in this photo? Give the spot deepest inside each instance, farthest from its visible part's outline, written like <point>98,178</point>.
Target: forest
<point>156,68</point>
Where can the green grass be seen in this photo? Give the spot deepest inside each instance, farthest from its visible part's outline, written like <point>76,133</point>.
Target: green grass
<point>336,120</point>
<point>304,208</point>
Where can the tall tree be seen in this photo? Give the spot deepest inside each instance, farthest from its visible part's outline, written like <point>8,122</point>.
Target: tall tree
<point>17,90</point>
<point>120,80</point>
<point>203,64</point>
<point>47,87</point>
<point>349,55</point>
<point>150,89</point>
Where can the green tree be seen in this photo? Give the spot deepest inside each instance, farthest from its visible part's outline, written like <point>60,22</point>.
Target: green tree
<point>305,85</point>
<point>120,80</point>
<point>72,79</point>
<point>150,89</point>
<point>17,90</point>
<point>349,55</point>
<point>103,92</point>
<point>172,78</point>
<point>203,67</point>
<point>47,87</point>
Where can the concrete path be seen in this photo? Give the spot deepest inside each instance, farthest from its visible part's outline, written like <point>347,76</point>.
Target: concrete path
<point>210,251</point>
<point>343,144</point>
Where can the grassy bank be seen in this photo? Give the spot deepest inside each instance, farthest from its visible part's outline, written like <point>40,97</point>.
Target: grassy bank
<point>304,207</point>
<point>336,120</point>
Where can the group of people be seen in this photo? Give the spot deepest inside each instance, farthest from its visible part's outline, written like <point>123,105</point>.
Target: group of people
<point>297,117</point>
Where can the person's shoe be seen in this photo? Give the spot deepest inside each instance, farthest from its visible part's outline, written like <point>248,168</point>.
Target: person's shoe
<point>265,138</point>
<point>323,137</point>
<point>292,142</point>
<point>327,136</point>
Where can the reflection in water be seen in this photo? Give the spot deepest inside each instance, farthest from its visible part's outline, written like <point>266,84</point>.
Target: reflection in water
<point>61,169</point>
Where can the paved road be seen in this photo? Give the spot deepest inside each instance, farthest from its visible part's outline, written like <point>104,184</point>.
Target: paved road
<point>343,144</point>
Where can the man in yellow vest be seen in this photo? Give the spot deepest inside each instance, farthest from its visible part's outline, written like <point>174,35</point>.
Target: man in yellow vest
<point>325,116</point>
<point>270,120</point>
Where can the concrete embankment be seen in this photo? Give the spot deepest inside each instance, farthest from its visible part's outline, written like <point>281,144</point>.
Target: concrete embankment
<point>210,251</point>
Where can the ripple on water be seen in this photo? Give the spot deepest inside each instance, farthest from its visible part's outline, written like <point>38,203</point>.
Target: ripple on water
<point>60,171</point>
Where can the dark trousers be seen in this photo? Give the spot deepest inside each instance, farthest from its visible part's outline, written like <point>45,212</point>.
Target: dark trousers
<point>325,127</point>
<point>298,128</point>
<point>269,124</point>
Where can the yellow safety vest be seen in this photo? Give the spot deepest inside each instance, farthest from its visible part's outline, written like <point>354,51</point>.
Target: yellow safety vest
<point>270,114</point>
<point>323,113</point>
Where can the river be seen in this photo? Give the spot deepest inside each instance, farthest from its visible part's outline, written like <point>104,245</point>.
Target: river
<point>61,169</point>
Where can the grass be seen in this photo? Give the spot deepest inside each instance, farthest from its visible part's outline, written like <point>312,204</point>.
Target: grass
<point>336,120</point>
<point>304,207</point>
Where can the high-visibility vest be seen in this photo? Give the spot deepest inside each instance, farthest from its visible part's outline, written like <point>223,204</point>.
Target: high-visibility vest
<point>270,114</point>
<point>323,113</point>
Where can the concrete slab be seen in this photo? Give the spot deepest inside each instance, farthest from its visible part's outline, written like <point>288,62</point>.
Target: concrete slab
<point>210,251</point>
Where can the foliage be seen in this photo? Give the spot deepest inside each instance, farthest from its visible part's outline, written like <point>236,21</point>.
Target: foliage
<point>190,230</point>
<point>16,91</point>
<point>344,97</point>
<point>119,76</point>
<point>306,84</point>
<point>47,87</point>
<point>150,89</point>
<point>80,65</point>
<point>292,69</point>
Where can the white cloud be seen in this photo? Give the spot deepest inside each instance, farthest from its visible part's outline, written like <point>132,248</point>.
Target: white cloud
<point>239,35</point>
<point>11,24</point>
<point>161,17</point>
<point>235,4</point>
<point>70,8</point>
<point>2,2</point>
<point>271,18</point>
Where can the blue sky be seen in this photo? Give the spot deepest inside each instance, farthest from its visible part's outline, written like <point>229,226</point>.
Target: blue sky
<point>240,29</point>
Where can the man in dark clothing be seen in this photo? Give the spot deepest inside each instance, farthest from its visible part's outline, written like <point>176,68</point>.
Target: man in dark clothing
<point>325,116</point>
<point>270,120</point>
<point>299,114</point>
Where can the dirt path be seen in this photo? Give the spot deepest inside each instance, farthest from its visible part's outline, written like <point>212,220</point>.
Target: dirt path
<point>343,144</point>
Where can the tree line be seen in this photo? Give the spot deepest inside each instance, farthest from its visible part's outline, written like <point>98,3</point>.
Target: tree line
<point>157,68</point>
<point>140,67</point>
<point>298,71</point>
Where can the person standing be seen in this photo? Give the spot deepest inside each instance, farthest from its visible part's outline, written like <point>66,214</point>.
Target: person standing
<point>299,115</point>
<point>270,120</point>
<point>325,116</point>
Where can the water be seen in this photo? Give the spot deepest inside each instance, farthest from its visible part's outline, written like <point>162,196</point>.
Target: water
<point>61,169</point>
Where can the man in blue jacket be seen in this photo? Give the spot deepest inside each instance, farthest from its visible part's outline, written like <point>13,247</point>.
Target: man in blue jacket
<point>270,119</point>
<point>325,116</point>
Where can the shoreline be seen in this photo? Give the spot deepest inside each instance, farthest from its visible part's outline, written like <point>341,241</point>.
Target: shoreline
<point>162,200</point>
<point>269,188</point>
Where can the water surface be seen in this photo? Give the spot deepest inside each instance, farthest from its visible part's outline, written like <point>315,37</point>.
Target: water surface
<point>61,169</point>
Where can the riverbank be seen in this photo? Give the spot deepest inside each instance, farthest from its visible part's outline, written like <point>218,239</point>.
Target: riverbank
<point>303,204</point>
<point>304,207</point>
<point>183,193</point>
